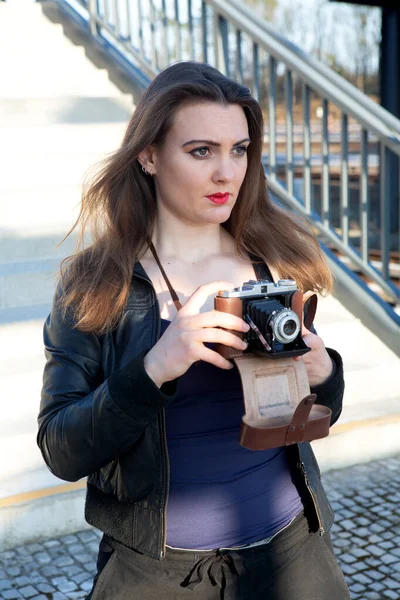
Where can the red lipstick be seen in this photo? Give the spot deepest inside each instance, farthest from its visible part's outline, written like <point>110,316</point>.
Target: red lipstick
<point>219,198</point>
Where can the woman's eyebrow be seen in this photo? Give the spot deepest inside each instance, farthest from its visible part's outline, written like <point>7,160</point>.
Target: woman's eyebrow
<point>211,143</point>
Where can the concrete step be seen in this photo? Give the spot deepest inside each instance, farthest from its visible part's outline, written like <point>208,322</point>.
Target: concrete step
<point>27,283</point>
<point>61,77</point>
<point>53,135</point>
<point>43,514</point>
<point>79,138</point>
<point>21,314</point>
<point>54,160</point>
<point>34,112</point>
<point>44,210</point>
<point>47,63</point>
<point>48,169</point>
<point>21,364</point>
<point>32,501</point>
<point>21,14</point>
<point>25,290</point>
<point>370,422</point>
<point>17,248</point>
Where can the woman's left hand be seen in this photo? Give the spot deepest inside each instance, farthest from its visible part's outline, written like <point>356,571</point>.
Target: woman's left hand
<point>318,362</point>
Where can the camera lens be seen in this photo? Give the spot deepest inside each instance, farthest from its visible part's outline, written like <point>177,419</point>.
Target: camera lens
<point>285,325</point>
<point>289,328</point>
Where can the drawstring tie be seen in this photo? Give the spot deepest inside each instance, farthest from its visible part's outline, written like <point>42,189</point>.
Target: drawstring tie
<point>222,569</point>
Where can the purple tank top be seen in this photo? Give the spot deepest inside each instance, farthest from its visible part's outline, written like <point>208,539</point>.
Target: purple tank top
<point>221,494</point>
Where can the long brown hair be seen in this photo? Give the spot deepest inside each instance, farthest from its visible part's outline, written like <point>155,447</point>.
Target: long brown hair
<point>119,205</point>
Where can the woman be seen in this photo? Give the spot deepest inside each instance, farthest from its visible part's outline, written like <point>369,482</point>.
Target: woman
<point>134,395</point>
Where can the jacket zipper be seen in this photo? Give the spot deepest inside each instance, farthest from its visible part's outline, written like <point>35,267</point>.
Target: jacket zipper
<point>165,449</point>
<point>302,468</point>
<point>163,431</point>
<point>167,472</point>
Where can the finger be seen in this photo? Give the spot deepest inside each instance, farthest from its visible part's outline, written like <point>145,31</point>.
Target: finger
<point>313,341</point>
<point>217,318</point>
<point>212,335</point>
<point>305,331</point>
<point>199,297</point>
<point>214,358</point>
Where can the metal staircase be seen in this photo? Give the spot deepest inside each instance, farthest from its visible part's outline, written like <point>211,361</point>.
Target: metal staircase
<point>328,147</point>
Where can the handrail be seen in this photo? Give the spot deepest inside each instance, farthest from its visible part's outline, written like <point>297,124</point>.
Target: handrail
<point>316,80</point>
<point>277,189</point>
<point>311,64</point>
<point>228,35</point>
<point>329,74</point>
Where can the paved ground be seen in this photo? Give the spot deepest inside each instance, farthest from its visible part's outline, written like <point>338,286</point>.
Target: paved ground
<point>366,535</point>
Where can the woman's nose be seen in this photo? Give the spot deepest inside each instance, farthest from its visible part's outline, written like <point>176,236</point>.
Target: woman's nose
<point>224,171</point>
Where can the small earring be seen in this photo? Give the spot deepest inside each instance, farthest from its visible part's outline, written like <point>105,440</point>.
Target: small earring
<point>146,172</point>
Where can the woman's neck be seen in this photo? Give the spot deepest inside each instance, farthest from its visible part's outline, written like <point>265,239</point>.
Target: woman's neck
<point>191,243</point>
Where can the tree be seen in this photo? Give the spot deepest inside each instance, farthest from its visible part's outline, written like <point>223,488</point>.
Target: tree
<point>264,9</point>
<point>366,43</point>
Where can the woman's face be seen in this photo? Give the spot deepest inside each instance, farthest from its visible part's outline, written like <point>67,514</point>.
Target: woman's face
<point>204,153</point>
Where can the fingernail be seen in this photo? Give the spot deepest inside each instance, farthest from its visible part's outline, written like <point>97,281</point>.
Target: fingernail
<point>246,327</point>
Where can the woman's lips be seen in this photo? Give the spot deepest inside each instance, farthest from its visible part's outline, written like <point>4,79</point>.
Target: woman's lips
<point>219,198</point>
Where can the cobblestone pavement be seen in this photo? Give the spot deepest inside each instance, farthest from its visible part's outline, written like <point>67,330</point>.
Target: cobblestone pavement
<point>366,533</point>
<point>366,536</point>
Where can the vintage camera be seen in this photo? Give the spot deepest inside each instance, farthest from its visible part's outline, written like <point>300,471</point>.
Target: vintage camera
<point>274,313</point>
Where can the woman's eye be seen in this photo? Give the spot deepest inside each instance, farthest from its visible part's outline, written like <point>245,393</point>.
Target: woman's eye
<point>200,151</point>
<point>205,151</point>
<point>240,150</point>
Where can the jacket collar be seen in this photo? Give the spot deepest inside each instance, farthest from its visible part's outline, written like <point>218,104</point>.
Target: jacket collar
<point>140,272</point>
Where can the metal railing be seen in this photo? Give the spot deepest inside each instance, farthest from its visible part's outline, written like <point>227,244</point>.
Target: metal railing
<point>329,149</point>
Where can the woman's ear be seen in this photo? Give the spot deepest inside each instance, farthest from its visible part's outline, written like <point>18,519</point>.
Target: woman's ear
<point>146,160</point>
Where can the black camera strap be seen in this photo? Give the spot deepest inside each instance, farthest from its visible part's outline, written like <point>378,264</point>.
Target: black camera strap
<point>173,293</point>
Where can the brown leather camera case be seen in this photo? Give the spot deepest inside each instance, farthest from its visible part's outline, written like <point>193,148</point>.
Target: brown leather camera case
<point>279,409</point>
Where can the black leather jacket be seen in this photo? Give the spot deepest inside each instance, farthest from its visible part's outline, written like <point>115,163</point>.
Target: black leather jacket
<point>101,416</point>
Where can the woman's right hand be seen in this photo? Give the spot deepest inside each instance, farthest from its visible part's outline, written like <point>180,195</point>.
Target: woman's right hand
<point>182,344</point>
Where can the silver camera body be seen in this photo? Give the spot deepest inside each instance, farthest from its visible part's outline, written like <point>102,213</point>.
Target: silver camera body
<point>275,327</point>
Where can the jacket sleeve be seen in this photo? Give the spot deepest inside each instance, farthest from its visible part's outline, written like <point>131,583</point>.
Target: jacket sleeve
<point>330,393</point>
<point>86,421</point>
